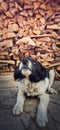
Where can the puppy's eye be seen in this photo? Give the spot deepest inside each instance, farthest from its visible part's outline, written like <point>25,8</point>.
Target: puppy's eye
<point>34,63</point>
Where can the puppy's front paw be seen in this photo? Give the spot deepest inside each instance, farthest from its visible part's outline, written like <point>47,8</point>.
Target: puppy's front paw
<point>52,90</point>
<point>17,109</point>
<point>42,120</point>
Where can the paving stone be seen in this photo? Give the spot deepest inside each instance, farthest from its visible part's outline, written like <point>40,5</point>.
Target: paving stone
<point>55,98</point>
<point>51,123</point>
<point>5,94</point>
<point>26,120</point>
<point>12,127</point>
<point>57,126</point>
<point>57,86</point>
<point>30,105</point>
<point>9,121</point>
<point>33,126</point>
<point>8,102</point>
<point>55,111</point>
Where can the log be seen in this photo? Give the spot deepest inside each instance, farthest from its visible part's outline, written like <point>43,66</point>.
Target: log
<point>13,27</point>
<point>58,68</point>
<point>8,14</point>
<point>4,6</point>
<point>40,36</point>
<point>8,35</point>
<point>7,43</point>
<point>57,74</point>
<point>26,40</point>
<point>8,61</point>
<point>43,6</point>
<point>36,5</point>
<point>54,64</point>
<point>54,26</point>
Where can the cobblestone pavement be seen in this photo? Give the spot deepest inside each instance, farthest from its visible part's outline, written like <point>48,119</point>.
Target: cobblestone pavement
<point>26,120</point>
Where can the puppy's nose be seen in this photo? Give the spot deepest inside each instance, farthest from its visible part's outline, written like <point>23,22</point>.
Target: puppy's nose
<point>25,61</point>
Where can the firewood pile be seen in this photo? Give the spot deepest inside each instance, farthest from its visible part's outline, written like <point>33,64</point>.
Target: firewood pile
<point>29,28</point>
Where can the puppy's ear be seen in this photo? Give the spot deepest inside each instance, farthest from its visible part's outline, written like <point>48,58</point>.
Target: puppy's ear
<point>18,74</point>
<point>34,78</point>
<point>39,73</point>
<point>35,75</point>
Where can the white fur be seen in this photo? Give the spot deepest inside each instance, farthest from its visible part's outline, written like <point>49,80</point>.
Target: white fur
<point>42,110</point>
<point>30,64</point>
<point>18,108</point>
<point>51,79</point>
<point>20,66</point>
<point>26,72</point>
<point>39,89</point>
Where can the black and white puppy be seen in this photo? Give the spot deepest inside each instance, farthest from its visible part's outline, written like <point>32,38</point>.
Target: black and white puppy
<point>34,80</point>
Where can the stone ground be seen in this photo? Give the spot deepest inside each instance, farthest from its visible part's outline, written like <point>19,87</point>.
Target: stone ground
<point>26,120</point>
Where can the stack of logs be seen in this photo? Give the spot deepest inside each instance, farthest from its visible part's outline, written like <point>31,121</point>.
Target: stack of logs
<point>29,28</point>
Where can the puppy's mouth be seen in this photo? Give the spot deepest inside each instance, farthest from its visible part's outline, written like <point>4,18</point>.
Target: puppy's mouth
<point>26,67</point>
<point>26,71</point>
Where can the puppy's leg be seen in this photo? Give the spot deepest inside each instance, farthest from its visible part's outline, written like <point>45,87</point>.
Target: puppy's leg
<point>18,108</point>
<point>51,80</point>
<point>42,110</point>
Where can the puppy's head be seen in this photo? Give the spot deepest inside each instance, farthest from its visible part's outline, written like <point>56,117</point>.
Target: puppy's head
<point>29,68</point>
<point>24,69</point>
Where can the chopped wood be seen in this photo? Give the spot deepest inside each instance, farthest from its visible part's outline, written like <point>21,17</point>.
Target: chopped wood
<point>42,20</point>
<point>36,31</point>
<point>1,1</point>
<point>10,35</point>
<point>49,13</point>
<point>28,7</point>
<point>24,13</point>
<point>29,28</point>
<point>25,40</point>
<point>4,6</point>
<point>39,36</point>
<point>13,27</point>
<point>43,6</point>
<point>36,5</point>
<point>7,61</point>
<point>57,74</point>
<point>58,68</point>
<point>6,43</point>
<point>8,14</point>
<point>4,53</point>
<point>54,26</point>
<point>55,64</point>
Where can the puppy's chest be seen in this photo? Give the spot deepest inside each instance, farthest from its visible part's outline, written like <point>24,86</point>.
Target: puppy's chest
<point>31,89</point>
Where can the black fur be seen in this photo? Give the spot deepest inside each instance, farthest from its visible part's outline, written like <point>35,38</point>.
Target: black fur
<point>38,72</point>
<point>17,74</point>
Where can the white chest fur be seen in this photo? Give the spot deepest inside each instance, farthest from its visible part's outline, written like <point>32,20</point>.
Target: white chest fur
<point>33,89</point>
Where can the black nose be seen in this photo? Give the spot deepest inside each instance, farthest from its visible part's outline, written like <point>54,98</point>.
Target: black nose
<point>25,61</point>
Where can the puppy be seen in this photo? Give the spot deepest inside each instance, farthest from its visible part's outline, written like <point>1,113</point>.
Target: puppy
<point>34,80</point>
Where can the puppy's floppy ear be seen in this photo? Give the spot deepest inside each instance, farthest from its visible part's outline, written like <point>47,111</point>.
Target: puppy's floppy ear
<point>38,73</point>
<point>36,70</point>
<point>18,74</point>
<point>34,78</point>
